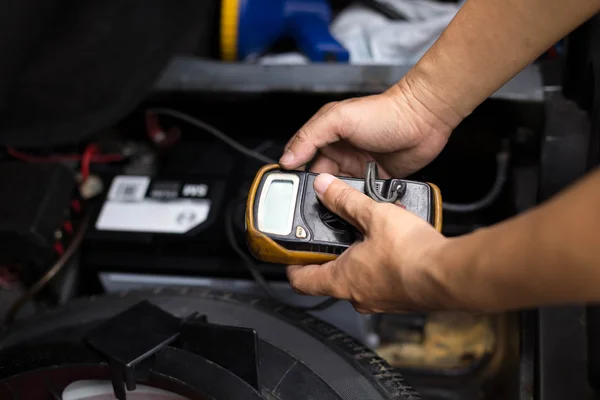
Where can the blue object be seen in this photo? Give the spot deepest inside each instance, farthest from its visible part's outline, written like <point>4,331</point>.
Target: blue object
<point>263,22</point>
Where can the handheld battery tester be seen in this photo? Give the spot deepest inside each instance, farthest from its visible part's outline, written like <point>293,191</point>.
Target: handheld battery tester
<point>287,224</point>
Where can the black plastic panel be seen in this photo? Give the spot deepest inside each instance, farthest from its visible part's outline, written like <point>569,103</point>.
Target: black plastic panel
<point>188,74</point>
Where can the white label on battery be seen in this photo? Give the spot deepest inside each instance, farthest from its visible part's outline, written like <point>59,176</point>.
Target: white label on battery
<point>128,210</point>
<point>128,188</point>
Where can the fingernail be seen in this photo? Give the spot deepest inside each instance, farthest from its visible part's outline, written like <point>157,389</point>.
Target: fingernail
<point>322,182</point>
<point>287,158</point>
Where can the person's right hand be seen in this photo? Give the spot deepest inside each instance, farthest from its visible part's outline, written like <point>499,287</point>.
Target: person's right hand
<point>403,129</point>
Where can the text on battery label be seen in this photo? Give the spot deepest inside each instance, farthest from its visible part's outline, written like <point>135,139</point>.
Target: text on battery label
<point>127,191</point>
<point>128,188</point>
<point>194,190</point>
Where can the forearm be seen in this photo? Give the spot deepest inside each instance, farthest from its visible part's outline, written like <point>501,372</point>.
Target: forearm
<point>486,44</point>
<point>548,255</point>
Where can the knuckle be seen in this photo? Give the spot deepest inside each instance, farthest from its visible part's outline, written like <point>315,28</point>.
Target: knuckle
<point>339,290</point>
<point>369,214</point>
<point>293,278</point>
<point>342,198</point>
<point>295,286</point>
<point>359,308</point>
<point>342,117</point>
<point>357,298</point>
<point>303,135</point>
<point>349,164</point>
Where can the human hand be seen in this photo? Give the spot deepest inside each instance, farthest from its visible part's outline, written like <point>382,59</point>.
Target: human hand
<point>403,129</point>
<point>394,268</point>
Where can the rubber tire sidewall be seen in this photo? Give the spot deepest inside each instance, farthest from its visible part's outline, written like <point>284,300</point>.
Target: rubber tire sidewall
<point>351,369</point>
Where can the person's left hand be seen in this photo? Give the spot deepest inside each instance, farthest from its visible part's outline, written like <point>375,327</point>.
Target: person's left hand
<point>394,268</point>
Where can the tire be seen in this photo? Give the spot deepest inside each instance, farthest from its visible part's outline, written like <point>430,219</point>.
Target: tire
<point>330,360</point>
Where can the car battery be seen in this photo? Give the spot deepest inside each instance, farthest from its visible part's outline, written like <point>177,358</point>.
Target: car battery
<point>173,222</point>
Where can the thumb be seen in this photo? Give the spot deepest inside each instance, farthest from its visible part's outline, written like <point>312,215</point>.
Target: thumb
<point>314,280</point>
<point>345,201</point>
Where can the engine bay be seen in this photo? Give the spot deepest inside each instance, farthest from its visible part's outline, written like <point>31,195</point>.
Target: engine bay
<point>156,190</point>
<point>123,178</point>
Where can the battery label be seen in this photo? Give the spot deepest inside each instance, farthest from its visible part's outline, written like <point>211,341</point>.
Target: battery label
<point>128,188</point>
<point>139,204</point>
<point>164,190</point>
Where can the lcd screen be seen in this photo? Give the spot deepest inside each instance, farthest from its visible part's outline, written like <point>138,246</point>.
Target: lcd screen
<point>277,208</point>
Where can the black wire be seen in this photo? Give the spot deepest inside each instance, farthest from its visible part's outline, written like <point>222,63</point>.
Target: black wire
<point>371,187</point>
<point>215,132</point>
<point>253,269</point>
<point>502,164</point>
<point>34,289</point>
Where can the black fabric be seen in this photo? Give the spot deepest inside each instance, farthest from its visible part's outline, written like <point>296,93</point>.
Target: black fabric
<point>70,68</point>
<point>582,78</point>
<point>582,85</point>
<point>594,86</point>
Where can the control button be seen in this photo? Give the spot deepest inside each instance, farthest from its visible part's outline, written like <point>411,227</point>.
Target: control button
<point>300,232</point>
<point>331,220</point>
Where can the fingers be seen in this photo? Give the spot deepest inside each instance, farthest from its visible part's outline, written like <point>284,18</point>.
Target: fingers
<point>323,129</point>
<point>318,114</point>
<point>316,280</point>
<point>350,161</point>
<point>325,164</point>
<point>350,204</point>
<point>330,279</point>
<point>341,159</point>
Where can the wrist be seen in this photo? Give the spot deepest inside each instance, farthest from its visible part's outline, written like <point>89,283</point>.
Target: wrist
<point>414,93</point>
<point>472,277</point>
<point>455,275</point>
<point>427,282</point>
<point>443,82</point>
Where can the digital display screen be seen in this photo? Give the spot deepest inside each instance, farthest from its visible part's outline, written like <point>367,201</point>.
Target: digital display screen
<point>277,207</point>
